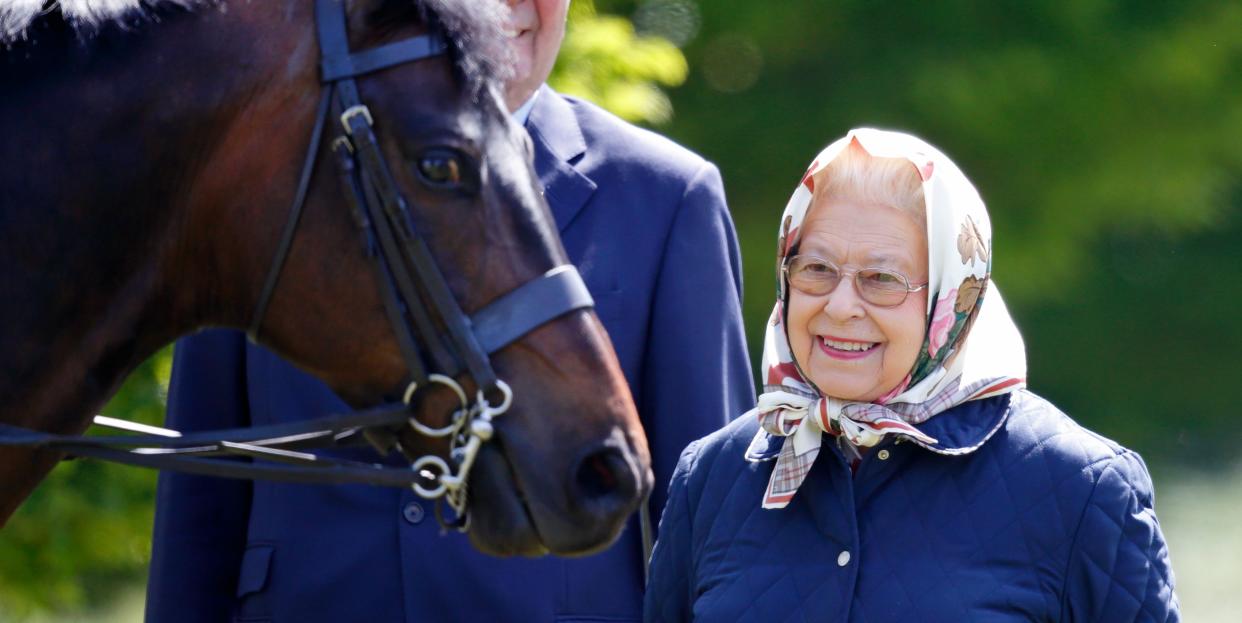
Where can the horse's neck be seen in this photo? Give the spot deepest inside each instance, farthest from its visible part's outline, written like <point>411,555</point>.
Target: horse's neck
<point>98,152</point>
<point>97,190</point>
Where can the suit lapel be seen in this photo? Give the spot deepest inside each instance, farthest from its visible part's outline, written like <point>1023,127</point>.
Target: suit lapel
<point>559,143</point>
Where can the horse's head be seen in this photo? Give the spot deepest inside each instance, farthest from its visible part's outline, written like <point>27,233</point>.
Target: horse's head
<point>569,461</point>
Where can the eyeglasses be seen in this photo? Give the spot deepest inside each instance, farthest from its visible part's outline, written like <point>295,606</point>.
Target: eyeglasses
<point>817,276</point>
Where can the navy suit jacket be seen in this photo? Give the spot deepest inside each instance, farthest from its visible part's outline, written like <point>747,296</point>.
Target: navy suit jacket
<point>645,222</point>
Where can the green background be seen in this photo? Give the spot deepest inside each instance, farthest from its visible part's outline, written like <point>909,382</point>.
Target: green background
<point>1105,137</point>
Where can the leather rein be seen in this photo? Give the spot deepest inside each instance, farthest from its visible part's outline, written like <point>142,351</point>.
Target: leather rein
<point>415,294</point>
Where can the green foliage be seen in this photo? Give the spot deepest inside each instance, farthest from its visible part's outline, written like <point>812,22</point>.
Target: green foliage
<point>86,531</point>
<point>605,61</point>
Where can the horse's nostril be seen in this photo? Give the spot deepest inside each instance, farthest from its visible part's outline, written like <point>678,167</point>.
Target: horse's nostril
<point>605,476</point>
<point>596,477</point>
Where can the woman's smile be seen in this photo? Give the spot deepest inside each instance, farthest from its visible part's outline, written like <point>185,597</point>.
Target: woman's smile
<point>846,349</point>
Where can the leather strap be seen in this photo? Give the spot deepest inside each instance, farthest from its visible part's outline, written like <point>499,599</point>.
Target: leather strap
<point>647,531</point>
<point>321,471</point>
<point>405,341</point>
<point>291,225</point>
<point>317,431</point>
<point>357,64</point>
<point>556,293</point>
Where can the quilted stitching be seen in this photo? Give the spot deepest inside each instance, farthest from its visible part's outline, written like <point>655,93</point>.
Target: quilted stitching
<point>1045,521</point>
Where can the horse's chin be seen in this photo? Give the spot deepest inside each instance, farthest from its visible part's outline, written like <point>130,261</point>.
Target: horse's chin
<point>500,522</point>
<point>505,520</point>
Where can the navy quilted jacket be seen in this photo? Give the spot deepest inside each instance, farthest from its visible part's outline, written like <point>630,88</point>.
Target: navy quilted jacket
<point>1017,514</point>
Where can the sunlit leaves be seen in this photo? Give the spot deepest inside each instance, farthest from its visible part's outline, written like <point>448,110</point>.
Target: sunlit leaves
<point>605,61</point>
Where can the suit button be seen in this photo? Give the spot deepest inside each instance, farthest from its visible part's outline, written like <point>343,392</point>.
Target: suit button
<point>843,559</point>
<point>882,455</point>
<point>413,513</point>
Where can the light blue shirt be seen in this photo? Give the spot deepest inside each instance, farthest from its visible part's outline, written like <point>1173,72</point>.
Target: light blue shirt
<point>523,111</point>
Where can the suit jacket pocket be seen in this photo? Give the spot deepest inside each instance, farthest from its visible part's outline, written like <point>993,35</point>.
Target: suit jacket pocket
<point>252,603</point>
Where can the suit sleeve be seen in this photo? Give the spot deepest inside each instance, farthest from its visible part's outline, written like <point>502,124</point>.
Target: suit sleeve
<point>696,373</point>
<point>1119,568</point>
<point>200,522</point>
<point>668,596</point>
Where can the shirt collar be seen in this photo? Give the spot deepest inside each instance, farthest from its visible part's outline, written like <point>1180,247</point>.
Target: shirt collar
<point>523,112</point>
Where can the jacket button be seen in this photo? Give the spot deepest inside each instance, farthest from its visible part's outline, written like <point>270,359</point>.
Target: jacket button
<point>843,559</point>
<point>882,455</point>
<point>413,513</point>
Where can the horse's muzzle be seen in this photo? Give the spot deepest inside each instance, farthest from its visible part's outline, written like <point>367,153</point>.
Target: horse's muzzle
<point>606,482</point>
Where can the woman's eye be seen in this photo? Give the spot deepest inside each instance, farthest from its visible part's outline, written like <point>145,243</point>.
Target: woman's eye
<point>440,170</point>
<point>882,278</point>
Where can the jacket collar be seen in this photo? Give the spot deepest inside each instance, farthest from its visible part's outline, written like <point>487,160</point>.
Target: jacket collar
<point>966,427</point>
<point>960,430</point>
<point>559,145</point>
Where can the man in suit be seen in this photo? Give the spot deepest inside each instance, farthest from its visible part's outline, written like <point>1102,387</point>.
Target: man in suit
<point>645,222</point>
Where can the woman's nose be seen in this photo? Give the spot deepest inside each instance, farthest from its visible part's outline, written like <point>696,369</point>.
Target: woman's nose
<point>843,302</point>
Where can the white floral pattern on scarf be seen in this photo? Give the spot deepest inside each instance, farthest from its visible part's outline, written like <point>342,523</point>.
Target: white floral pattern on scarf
<point>949,370</point>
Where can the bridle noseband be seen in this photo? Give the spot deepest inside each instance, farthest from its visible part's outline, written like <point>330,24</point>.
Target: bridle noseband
<point>415,295</point>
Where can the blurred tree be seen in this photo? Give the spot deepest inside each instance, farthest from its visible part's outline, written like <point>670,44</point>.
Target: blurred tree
<point>603,60</point>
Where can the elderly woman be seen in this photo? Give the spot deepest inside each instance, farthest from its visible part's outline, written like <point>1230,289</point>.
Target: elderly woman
<point>896,468</point>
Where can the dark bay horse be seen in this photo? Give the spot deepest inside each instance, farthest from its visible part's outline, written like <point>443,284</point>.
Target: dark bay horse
<point>146,172</point>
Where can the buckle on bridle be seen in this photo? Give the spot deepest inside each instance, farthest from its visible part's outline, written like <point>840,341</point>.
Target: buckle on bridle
<point>342,143</point>
<point>470,428</point>
<point>354,111</point>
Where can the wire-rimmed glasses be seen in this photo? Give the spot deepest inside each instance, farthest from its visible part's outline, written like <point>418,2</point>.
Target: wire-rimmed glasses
<point>817,276</point>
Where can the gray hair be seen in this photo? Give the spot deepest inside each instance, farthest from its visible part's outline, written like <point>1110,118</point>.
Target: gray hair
<point>857,175</point>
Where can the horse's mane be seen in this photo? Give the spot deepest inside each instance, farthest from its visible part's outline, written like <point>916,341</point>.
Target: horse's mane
<point>17,15</point>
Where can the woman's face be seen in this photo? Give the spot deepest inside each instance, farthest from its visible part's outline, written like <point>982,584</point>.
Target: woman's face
<point>851,349</point>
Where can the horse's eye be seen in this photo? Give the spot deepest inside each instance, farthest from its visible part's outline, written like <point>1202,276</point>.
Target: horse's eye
<point>440,170</point>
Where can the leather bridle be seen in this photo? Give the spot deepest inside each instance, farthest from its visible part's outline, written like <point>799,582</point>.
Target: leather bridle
<point>415,295</point>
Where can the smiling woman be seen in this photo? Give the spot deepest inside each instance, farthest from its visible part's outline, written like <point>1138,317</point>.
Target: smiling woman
<point>946,491</point>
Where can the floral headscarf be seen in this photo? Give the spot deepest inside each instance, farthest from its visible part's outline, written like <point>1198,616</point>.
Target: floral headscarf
<point>949,369</point>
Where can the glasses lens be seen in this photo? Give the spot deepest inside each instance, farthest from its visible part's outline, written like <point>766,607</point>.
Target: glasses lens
<point>882,287</point>
<point>813,275</point>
